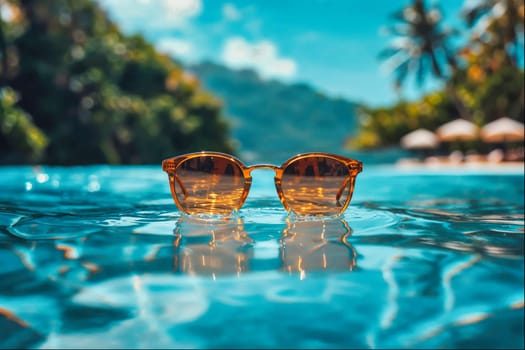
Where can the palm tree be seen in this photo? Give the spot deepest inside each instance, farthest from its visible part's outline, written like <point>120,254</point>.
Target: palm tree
<point>497,29</point>
<point>421,46</point>
<point>420,43</point>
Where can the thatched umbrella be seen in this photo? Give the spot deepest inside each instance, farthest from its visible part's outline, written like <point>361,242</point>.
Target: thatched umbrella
<point>503,130</point>
<point>458,130</point>
<point>420,139</point>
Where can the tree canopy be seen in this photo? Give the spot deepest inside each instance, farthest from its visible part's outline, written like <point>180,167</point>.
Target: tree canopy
<point>76,90</point>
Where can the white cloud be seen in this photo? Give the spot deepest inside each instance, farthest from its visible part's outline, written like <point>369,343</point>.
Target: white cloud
<point>176,47</point>
<point>261,56</point>
<point>230,12</point>
<point>181,11</point>
<point>144,15</point>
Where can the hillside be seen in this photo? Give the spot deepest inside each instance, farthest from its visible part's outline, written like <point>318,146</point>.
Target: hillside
<point>272,121</point>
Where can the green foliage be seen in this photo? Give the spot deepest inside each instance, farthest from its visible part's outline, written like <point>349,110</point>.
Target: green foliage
<point>385,126</point>
<point>100,96</point>
<point>17,130</point>
<point>500,94</point>
<point>496,95</point>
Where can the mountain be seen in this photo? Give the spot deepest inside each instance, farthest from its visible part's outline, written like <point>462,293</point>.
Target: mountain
<point>271,120</point>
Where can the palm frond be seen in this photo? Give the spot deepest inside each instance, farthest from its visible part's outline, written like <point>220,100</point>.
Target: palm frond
<point>473,13</point>
<point>401,73</point>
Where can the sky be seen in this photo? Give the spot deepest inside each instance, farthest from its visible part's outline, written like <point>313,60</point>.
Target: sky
<point>333,45</point>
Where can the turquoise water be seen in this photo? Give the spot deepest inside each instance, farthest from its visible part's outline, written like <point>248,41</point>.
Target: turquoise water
<point>99,257</point>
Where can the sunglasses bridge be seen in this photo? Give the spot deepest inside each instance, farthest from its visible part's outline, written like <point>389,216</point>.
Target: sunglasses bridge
<point>278,170</point>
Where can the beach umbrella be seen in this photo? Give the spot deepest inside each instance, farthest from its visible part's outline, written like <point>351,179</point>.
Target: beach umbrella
<point>503,130</point>
<point>458,130</point>
<point>420,139</point>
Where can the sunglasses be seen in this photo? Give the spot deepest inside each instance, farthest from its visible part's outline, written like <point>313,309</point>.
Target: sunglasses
<point>214,183</point>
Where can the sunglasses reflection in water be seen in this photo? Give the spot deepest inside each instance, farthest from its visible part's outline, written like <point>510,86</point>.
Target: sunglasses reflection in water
<point>203,248</point>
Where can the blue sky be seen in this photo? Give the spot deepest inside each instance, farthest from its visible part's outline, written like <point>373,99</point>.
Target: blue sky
<point>331,44</point>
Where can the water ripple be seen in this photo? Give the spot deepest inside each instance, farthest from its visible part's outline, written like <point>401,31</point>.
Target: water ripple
<point>102,253</point>
<point>52,227</point>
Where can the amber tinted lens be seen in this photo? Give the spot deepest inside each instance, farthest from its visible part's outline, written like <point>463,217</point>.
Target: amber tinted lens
<point>209,185</point>
<point>316,186</point>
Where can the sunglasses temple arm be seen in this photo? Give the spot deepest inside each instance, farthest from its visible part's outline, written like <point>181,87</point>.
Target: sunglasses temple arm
<point>184,191</point>
<point>341,189</point>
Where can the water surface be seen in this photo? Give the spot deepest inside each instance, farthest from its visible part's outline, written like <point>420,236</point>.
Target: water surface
<point>99,257</point>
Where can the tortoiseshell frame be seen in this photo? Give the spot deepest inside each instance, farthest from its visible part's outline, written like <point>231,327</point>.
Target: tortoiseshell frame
<point>170,166</point>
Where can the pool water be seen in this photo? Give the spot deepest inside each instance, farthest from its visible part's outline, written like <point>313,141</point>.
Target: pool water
<point>99,257</point>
